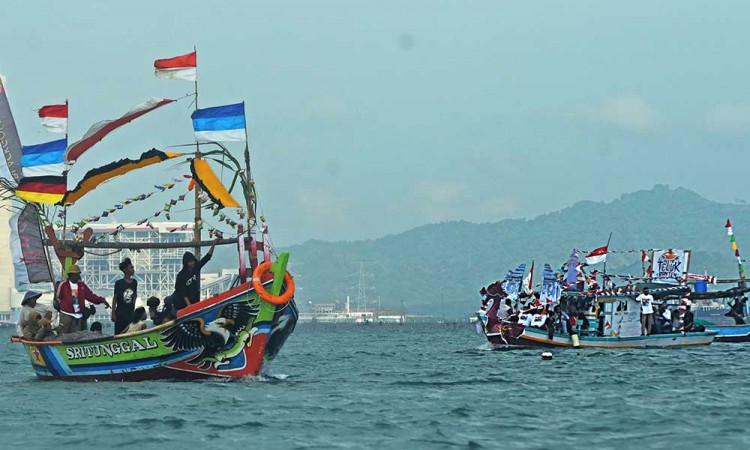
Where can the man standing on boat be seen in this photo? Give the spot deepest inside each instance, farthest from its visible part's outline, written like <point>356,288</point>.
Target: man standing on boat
<point>72,295</point>
<point>123,302</point>
<point>187,286</point>
<point>647,312</point>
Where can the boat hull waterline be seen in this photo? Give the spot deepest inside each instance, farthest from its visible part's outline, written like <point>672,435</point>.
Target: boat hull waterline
<point>225,336</point>
<point>519,336</point>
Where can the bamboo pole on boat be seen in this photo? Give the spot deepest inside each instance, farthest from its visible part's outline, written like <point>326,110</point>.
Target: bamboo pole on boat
<point>197,206</point>
<point>741,270</point>
<point>604,268</point>
<point>249,200</point>
<point>67,168</point>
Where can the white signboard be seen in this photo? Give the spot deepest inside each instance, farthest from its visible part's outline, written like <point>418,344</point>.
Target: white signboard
<point>670,266</point>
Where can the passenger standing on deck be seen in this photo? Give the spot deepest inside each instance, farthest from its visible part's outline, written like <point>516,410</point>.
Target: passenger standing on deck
<point>647,312</point>
<point>187,286</point>
<point>72,295</point>
<point>123,302</point>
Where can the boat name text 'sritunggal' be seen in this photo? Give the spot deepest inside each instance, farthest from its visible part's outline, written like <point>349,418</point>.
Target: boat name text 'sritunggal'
<point>110,349</point>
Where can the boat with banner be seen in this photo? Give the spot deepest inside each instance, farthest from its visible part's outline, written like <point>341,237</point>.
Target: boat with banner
<point>229,335</point>
<point>572,310</point>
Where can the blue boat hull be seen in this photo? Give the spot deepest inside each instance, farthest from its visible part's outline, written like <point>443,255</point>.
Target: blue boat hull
<point>730,333</point>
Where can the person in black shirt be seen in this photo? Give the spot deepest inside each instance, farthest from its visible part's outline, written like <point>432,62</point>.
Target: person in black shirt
<point>187,286</point>
<point>126,291</point>
<point>688,320</point>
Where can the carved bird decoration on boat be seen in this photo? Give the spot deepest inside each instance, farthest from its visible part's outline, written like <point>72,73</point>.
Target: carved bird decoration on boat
<point>213,336</point>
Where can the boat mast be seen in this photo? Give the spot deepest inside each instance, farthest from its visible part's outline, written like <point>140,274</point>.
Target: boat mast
<point>198,219</point>
<point>249,197</point>
<point>604,268</point>
<point>730,233</point>
<point>67,168</point>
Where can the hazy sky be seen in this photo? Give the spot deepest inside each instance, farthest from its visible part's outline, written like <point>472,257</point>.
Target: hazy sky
<point>372,117</point>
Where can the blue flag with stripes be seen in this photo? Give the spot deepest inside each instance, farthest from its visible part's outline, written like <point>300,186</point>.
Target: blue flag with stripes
<point>45,159</point>
<point>220,123</point>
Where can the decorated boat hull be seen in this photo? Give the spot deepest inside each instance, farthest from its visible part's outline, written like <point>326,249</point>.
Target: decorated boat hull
<point>226,336</point>
<point>513,335</point>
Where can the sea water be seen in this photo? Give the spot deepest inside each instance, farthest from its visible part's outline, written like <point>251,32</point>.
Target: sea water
<point>400,387</point>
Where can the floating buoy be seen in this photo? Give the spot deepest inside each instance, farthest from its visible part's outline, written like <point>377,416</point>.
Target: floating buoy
<point>547,355</point>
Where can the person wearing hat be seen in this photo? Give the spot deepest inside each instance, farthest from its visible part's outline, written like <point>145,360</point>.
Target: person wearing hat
<point>28,305</point>
<point>72,295</point>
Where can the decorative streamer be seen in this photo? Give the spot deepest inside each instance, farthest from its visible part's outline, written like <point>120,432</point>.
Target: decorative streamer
<point>99,175</point>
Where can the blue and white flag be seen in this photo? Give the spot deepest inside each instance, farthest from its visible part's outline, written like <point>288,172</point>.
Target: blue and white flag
<point>513,281</point>
<point>46,159</point>
<point>220,123</point>
<point>551,289</point>
<point>572,270</point>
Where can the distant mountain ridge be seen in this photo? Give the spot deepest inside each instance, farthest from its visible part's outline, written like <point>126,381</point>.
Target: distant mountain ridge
<point>460,257</point>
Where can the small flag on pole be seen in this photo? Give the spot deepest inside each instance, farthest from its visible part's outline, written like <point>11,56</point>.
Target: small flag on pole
<point>220,123</point>
<point>646,263</point>
<point>46,159</point>
<point>527,287</point>
<point>55,118</point>
<point>43,167</point>
<point>597,255</point>
<point>183,67</point>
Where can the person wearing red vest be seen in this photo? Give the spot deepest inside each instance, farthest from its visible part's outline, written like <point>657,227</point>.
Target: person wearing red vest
<point>72,295</point>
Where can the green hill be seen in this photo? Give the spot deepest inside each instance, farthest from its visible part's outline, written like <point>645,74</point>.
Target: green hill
<point>461,257</point>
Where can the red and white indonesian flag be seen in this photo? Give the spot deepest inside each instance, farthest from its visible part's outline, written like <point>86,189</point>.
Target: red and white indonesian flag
<point>55,118</point>
<point>597,255</point>
<point>646,263</point>
<point>182,67</point>
<point>527,288</point>
<point>99,130</point>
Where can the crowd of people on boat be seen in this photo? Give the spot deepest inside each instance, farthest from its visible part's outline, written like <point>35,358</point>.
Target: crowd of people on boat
<point>666,319</point>
<point>574,314</point>
<point>74,302</point>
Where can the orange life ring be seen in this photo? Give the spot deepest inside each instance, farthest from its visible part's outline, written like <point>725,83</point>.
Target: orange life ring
<point>282,299</point>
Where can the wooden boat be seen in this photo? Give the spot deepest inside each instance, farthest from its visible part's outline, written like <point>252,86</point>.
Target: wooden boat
<point>607,319</point>
<point>711,310</point>
<point>621,330</point>
<point>227,336</point>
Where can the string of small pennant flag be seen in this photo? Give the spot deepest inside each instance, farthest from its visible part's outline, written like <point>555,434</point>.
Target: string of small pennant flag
<point>119,205</point>
<point>166,210</point>
<point>586,252</point>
